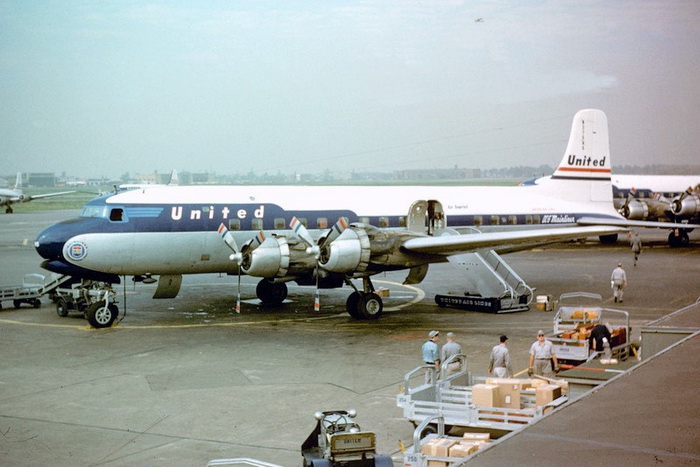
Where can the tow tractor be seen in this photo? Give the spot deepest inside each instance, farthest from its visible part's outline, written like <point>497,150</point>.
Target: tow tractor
<point>95,300</point>
<point>337,441</point>
<point>577,314</point>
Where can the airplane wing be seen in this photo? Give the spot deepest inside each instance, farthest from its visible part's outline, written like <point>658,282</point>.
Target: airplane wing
<point>456,244</point>
<point>591,221</point>
<point>46,195</point>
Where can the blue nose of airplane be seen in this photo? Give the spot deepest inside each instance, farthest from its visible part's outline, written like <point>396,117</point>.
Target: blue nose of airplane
<point>49,243</point>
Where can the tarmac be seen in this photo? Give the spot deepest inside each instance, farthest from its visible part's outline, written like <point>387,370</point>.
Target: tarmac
<point>187,380</point>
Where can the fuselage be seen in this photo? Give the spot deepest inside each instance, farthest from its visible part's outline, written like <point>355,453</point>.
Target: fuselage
<point>172,230</point>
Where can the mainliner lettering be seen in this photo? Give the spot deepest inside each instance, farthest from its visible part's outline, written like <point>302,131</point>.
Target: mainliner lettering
<point>585,161</point>
<point>210,212</point>
<point>558,219</point>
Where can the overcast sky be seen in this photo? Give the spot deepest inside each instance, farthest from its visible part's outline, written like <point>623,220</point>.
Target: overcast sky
<point>107,87</point>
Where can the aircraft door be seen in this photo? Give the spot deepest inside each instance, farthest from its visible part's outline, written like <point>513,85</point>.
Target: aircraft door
<point>426,216</point>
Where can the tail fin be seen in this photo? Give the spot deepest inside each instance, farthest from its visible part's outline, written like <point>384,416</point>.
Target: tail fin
<point>18,182</point>
<point>173,178</point>
<point>584,174</point>
<point>587,156</point>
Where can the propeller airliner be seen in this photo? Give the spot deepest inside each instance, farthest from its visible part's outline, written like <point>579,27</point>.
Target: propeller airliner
<point>327,236</point>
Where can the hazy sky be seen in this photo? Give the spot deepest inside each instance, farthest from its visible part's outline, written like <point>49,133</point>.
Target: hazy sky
<point>107,87</point>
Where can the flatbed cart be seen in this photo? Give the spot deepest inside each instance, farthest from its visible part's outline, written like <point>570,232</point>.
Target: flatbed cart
<point>33,286</point>
<point>95,300</point>
<point>577,313</point>
<point>447,398</point>
<point>416,456</point>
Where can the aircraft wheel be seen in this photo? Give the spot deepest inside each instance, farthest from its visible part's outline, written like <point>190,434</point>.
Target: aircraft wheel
<point>351,305</point>
<point>370,306</point>
<point>271,293</point>
<point>62,307</point>
<point>101,316</point>
<point>608,239</point>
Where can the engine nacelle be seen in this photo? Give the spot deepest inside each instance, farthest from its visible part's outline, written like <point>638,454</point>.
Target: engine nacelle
<point>350,252</point>
<point>270,259</point>
<point>636,210</point>
<point>687,205</point>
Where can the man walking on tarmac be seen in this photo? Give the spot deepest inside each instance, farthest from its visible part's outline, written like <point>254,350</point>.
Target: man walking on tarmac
<point>618,281</point>
<point>450,349</point>
<point>542,357</point>
<point>636,244</point>
<point>499,360</point>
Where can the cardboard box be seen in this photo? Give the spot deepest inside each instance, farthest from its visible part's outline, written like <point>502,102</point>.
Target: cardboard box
<point>437,463</point>
<point>476,436</point>
<point>546,394</point>
<point>536,382</point>
<point>463,450</point>
<point>439,447</point>
<point>485,395</point>
<point>563,384</point>
<point>509,395</point>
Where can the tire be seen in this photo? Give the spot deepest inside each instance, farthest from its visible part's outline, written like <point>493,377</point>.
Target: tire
<point>370,306</point>
<point>608,239</point>
<point>36,303</point>
<point>351,305</point>
<point>428,430</point>
<point>101,316</point>
<point>62,307</point>
<point>271,293</point>
<point>17,303</point>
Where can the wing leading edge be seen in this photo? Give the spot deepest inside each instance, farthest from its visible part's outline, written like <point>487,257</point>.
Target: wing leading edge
<point>448,245</point>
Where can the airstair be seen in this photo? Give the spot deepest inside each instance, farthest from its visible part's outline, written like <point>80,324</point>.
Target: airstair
<point>492,285</point>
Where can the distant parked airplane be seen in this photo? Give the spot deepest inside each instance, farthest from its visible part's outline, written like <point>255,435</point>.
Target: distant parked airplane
<point>10,196</point>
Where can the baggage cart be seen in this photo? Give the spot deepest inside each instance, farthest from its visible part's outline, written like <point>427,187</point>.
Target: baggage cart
<point>32,288</point>
<point>577,313</point>
<point>450,397</point>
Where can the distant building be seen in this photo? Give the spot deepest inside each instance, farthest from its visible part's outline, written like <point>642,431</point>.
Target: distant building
<point>40,179</point>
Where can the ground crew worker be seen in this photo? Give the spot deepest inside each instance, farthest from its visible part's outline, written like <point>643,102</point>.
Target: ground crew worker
<point>431,355</point>
<point>599,335</point>
<point>542,357</point>
<point>636,244</point>
<point>618,281</point>
<point>449,349</point>
<point>499,361</point>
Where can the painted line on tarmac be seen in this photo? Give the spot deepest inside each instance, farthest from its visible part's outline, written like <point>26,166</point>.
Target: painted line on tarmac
<point>420,295</point>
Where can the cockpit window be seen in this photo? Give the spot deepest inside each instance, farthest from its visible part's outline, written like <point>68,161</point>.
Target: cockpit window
<point>116,215</point>
<point>93,211</point>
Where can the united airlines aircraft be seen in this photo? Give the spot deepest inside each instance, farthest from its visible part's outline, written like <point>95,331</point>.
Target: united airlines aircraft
<point>329,235</point>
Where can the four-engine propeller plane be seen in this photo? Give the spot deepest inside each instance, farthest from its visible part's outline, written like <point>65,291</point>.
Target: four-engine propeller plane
<point>287,233</point>
<point>8,197</point>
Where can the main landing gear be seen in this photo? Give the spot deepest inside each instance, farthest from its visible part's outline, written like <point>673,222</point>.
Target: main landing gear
<point>361,304</point>
<point>364,304</point>
<point>678,238</point>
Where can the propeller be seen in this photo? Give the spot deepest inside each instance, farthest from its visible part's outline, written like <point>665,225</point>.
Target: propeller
<point>240,256</point>
<point>316,248</point>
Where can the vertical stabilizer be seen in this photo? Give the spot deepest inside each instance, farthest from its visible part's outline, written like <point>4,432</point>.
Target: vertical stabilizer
<point>587,155</point>
<point>18,181</point>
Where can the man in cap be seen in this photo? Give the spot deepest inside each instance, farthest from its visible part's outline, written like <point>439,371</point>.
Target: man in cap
<point>499,361</point>
<point>618,281</point>
<point>541,357</point>
<point>431,355</point>
<point>448,350</point>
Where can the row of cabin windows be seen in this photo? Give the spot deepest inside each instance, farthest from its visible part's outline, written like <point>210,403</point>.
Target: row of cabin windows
<point>511,220</point>
<point>322,222</point>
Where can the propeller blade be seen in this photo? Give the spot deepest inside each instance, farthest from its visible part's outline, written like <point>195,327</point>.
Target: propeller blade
<point>301,231</point>
<point>334,232</point>
<point>228,238</point>
<point>238,297</point>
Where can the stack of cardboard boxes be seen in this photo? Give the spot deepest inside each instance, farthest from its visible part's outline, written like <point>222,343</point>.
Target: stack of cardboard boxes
<point>507,392</point>
<point>453,447</point>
